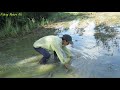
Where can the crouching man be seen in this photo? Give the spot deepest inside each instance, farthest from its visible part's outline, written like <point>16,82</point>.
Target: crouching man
<point>56,44</point>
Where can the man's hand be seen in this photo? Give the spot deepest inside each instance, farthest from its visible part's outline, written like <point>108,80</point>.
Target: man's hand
<point>66,66</point>
<point>67,63</point>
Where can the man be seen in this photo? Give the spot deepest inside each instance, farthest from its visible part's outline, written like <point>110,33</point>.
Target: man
<point>56,44</point>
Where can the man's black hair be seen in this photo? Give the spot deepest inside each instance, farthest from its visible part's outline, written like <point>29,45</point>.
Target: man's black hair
<point>64,39</point>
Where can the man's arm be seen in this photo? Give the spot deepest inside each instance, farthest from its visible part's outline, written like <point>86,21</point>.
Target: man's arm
<point>60,53</point>
<point>67,51</point>
<point>64,60</point>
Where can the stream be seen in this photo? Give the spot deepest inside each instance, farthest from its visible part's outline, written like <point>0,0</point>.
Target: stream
<point>96,51</point>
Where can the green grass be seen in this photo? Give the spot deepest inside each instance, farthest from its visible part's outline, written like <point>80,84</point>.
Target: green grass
<point>68,16</point>
<point>11,30</point>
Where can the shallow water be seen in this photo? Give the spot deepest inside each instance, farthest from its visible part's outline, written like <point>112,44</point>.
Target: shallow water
<point>96,50</point>
<point>20,60</point>
<point>96,54</point>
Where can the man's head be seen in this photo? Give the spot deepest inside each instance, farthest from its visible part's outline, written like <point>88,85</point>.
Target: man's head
<point>67,39</point>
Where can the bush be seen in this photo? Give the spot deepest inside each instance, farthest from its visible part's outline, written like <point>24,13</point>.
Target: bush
<point>20,25</point>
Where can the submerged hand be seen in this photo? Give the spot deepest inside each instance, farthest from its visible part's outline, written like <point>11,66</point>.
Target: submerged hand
<point>66,66</point>
<point>67,63</point>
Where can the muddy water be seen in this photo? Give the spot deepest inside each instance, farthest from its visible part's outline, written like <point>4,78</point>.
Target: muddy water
<point>96,54</point>
<point>96,51</point>
<point>18,59</point>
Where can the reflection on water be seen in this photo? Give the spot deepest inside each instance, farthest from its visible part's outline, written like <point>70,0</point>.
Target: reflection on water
<point>106,36</point>
<point>96,49</point>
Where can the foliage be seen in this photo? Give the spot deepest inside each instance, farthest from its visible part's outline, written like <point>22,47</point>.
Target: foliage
<point>13,24</point>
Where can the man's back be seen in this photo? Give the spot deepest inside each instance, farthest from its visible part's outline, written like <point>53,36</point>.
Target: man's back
<point>53,43</point>
<point>47,41</point>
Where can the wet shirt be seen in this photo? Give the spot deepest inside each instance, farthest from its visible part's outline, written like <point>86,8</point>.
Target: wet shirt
<point>54,43</point>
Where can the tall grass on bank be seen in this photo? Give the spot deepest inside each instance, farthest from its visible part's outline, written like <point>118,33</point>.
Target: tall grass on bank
<point>10,30</point>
